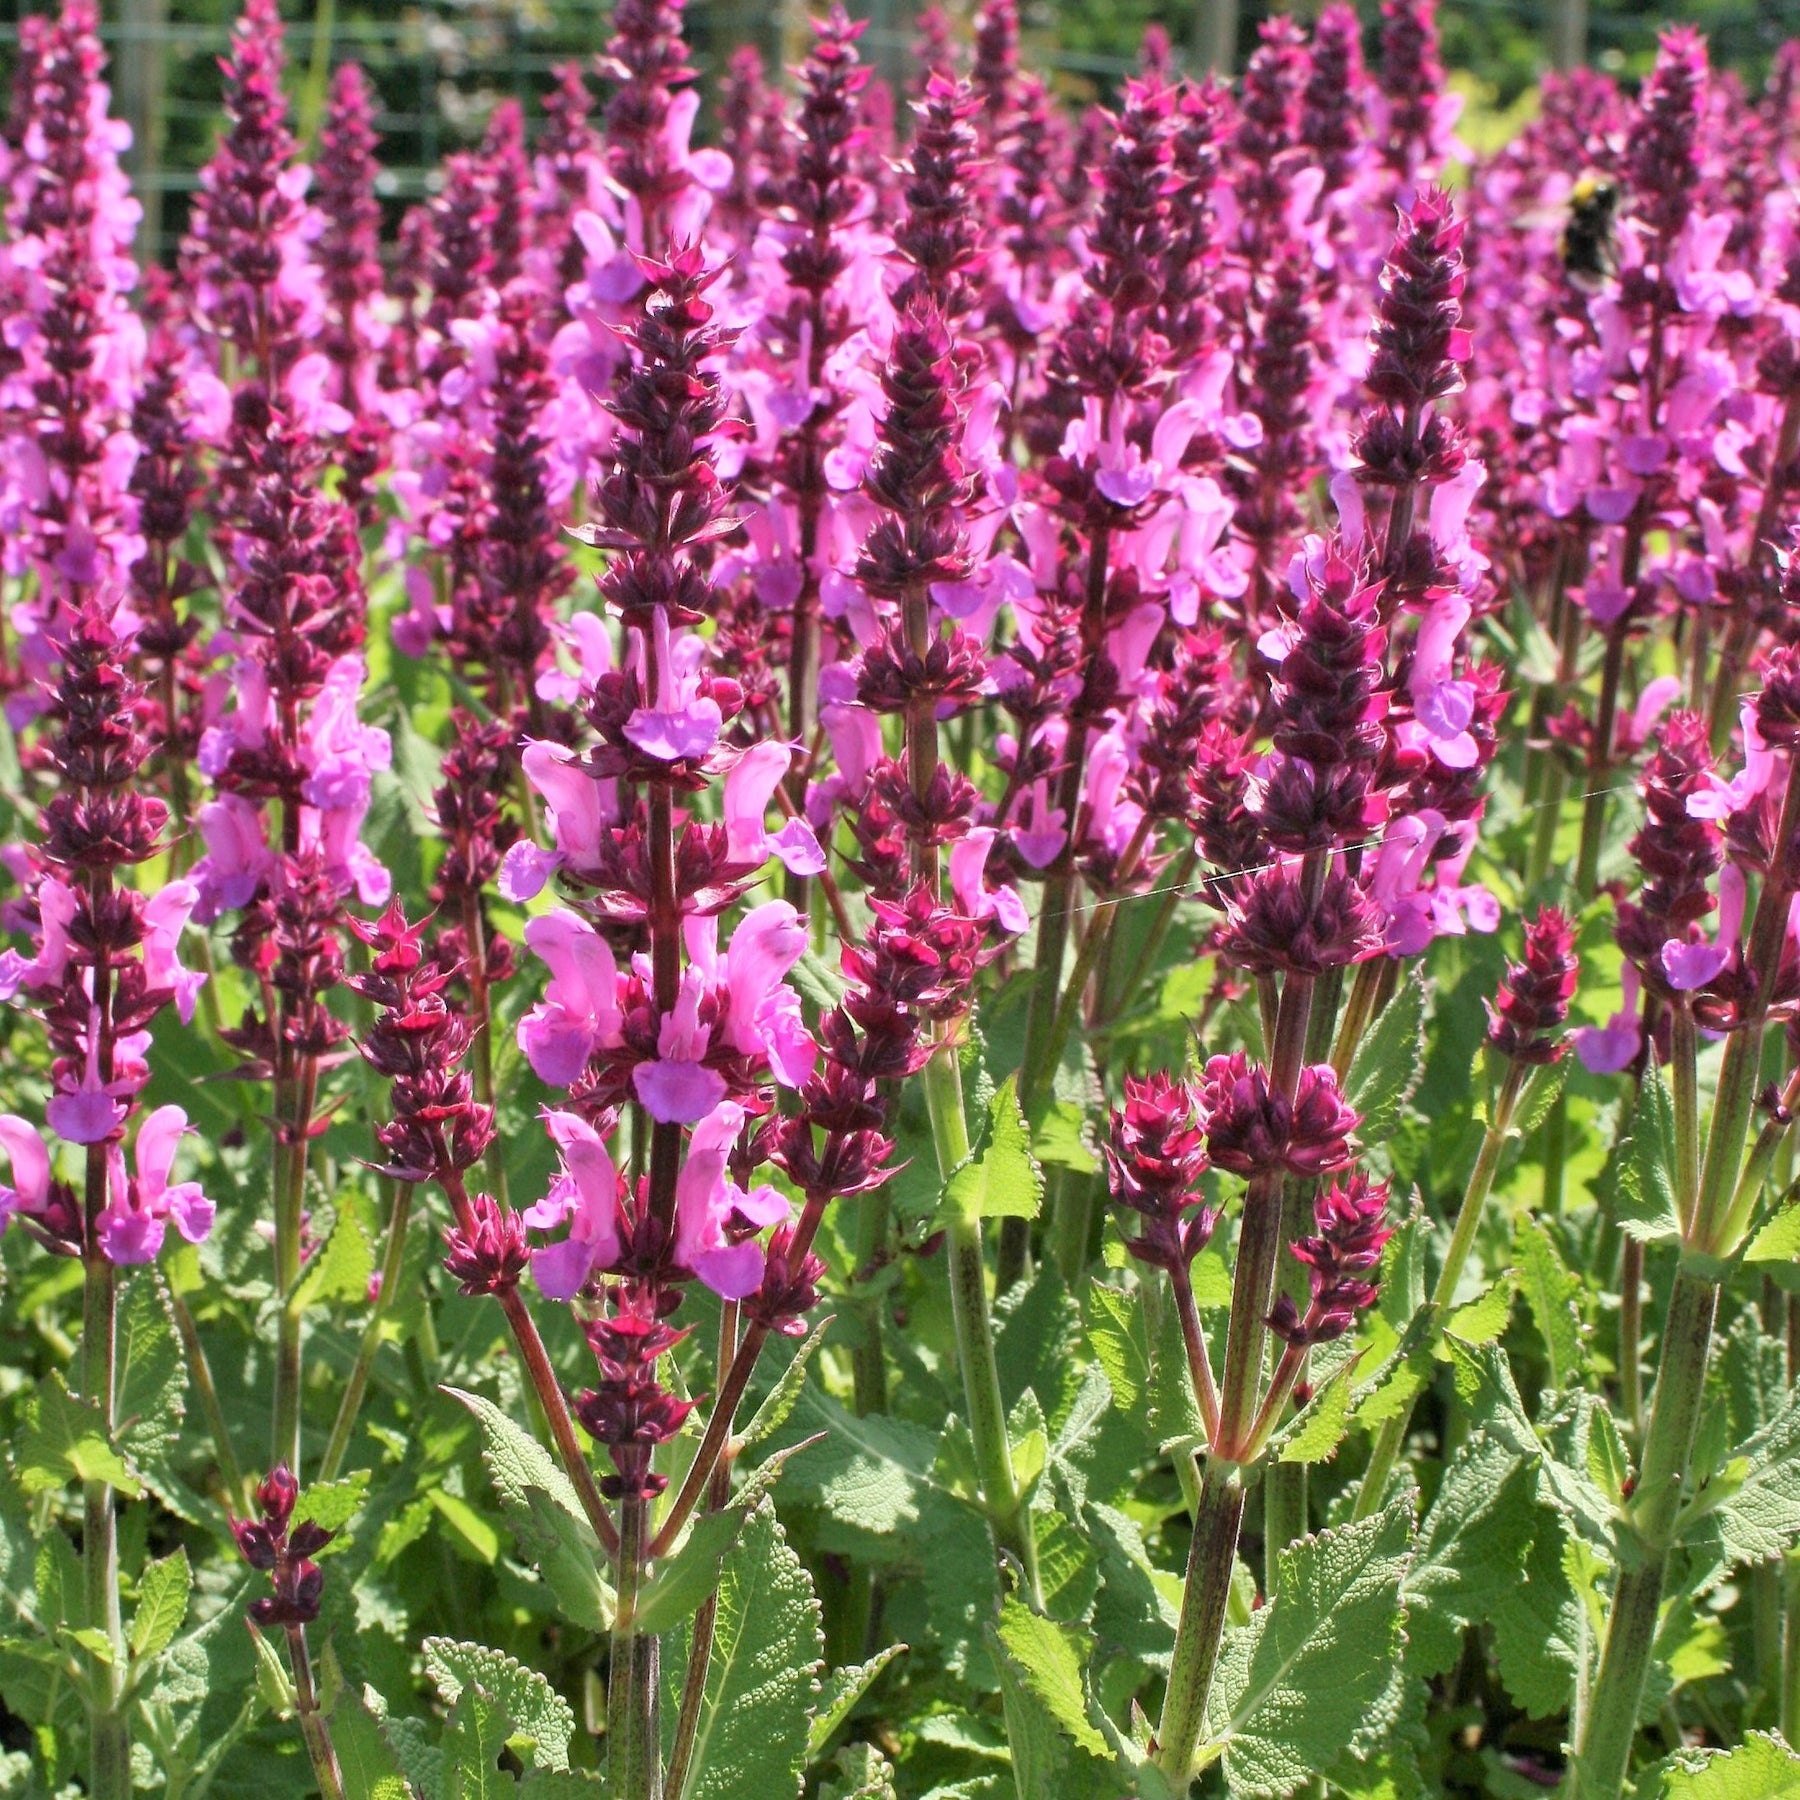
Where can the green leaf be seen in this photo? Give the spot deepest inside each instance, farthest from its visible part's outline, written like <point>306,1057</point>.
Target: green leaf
<point>1062,1138</point>
<point>1484,1320</point>
<point>1385,1072</point>
<point>366,1759</point>
<point>838,1698</point>
<point>537,1712</point>
<point>1484,1382</point>
<point>477,1735</point>
<point>331,1505</point>
<point>1779,1240</point>
<point>272,1681</point>
<point>65,1440</point>
<point>1550,1290</point>
<point>1047,1659</point>
<point>1644,1197</point>
<point>1314,1668</point>
<point>1750,1509</point>
<point>862,1773</point>
<point>151,1389</point>
<point>1002,1180</point>
<point>1762,1767</point>
<point>690,1574</point>
<point>1537,1624</point>
<point>342,1269</point>
<point>767,1646</point>
<point>162,1604</point>
<point>774,1411</point>
<point>868,1474</point>
<point>546,1518</point>
<point>1542,1086</point>
<point>1114,1322</point>
<point>1471,1547</point>
<point>467,1526</point>
<point>1317,1431</point>
<point>822,984</point>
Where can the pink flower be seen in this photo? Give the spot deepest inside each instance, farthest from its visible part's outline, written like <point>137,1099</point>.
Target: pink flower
<point>749,788</point>
<point>238,858</point>
<point>684,724</point>
<point>165,917</point>
<point>1692,963</point>
<point>578,811</point>
<point>29,1158</point>
<point>1610,1048</point>
<point>707,1204</point>
<point>137,1211</point>
<point>968,860</point>
<point>586,1193</point>
<point>580,1010</point>
<point>56,912</point>
<point>91,1112</point>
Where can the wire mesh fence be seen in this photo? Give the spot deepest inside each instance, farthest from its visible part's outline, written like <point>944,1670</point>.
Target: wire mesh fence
<point>439,68</point>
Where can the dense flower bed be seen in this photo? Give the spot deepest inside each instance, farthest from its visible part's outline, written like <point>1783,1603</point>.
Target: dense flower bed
<point>751,901</point>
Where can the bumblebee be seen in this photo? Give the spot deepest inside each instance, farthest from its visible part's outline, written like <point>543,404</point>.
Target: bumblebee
<point>1587,239</point>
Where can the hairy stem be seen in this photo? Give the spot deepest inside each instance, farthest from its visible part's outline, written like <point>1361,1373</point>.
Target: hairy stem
<point>314,1727</point>
<point>1204,1598</point>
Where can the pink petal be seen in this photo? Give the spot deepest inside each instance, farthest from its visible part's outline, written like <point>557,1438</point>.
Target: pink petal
<point>677,1093</point>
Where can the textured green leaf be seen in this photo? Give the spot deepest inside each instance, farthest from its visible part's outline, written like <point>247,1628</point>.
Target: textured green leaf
<point>1310,1670</point>
<point>1750,1509</point>
<point>1484,1320</point>
<point>65,1440</point>
<point>1485,1383</point>
<point>534,1708</point>
<point>783,1396</point>
<point>767,1646</point>
<point>685,1579</point>
<point>1471,1547</point>
<point>1644,1197</point>
<point>162,1604</point>
<point>840,1693</point>
<point>366,1759</point>
<point>1047,1659</point>
<point>1762,1767</point>
<point>1114,1322</point>
<point>1063,1137</point>
<point>1138,1605</point>
<point>1550,1290</point>
<point>466,1526</point>
<point>333,1504</point>
<point>473,1742</point>
<point>868,1474</point>
<point>1002,1180</point>
<point>1542,1086</point>
<point>1317,1431</point>
<point>859,1772</point>
<point>341,1270</point>
<point>539,1503</point>
<point>151,1389</point>
<point>1779,1239</point>
<point>1385,1072</point>
<point>1537,1625</point>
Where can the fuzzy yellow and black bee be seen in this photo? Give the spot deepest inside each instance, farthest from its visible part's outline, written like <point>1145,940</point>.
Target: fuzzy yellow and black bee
<point>1587,239</point>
